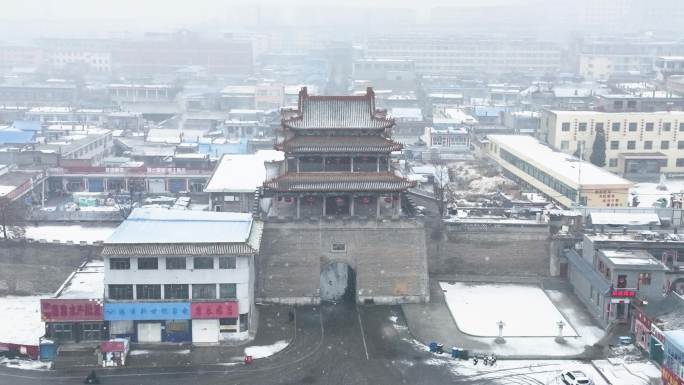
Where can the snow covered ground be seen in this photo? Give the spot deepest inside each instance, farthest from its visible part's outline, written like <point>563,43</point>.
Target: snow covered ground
<point>25,364</point>
<point>648,193</point>
<point>266,350</point>
<point>506,372</point>
<point>21,323</point>
<point>66,233</point>
<point>525,310</point>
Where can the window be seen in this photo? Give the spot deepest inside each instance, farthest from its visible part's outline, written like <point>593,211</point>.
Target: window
<point>227,262</point>
<point>612,162</point>
<point>203,262</point>
<point>681,126</point>
<point>614,145</point>
<point>120,291</point>
<point>680,162</point>
<point>664,145</point>
<point>92,331</point>
<point>631,144</point>
<point>565,126</point>
<point>339,247</point>
<point>667,126</point>
<point>148,291</point>
<point>649,126</point>
<point>648,145</point>
<point>615,127</point>
<point>582,126</point>
<point>227,290</point>
<point>204,291</point>
<point>565,144</point>
<point>175,263</point>
<point>120,263</point>
<point>632,126</point>
<point>680,145</point>
<point>62,331</point>
<point>176,291</point>
<point>645,279</point>
<point>148,263</point>
<point>234,197</point>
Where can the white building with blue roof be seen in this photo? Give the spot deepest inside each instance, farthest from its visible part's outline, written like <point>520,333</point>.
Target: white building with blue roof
<point>181,276</point>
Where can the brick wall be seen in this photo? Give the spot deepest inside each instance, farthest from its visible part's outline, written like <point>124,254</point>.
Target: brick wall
<point>33,268</point>
<point>389,259</point>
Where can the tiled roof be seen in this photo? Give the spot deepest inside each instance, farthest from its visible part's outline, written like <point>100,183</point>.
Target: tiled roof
<point>317,144</point>
<point>335,112</point>
<point>178,249</point>
<point>338,182</point>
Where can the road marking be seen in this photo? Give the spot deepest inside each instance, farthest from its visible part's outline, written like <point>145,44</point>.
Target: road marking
<point>363,334</point>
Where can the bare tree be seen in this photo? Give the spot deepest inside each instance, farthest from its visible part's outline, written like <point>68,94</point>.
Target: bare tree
<point>12,218</point>
<point>441,188</point>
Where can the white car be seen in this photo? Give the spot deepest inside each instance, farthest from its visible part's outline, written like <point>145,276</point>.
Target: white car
<point>575,377</point>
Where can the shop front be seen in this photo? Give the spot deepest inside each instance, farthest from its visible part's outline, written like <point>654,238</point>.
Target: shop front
<point>73,320</point>
<point>213,320</point>
<point>641,328</point>
<point>150,322</point>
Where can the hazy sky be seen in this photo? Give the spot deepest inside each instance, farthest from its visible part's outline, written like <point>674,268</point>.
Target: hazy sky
<point>185,9</point>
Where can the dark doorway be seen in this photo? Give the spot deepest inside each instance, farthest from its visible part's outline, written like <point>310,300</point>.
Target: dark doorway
<point>338,205</point>
<point>338,283</point>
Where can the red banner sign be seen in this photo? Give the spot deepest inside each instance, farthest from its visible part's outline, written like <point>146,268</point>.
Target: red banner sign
<point>56,310</point>
<point>623,293</point>
<point>669,378</point>
<point>205,310</point>
<point>112,346</point>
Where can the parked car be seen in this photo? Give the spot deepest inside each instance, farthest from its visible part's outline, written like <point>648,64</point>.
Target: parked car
<point>575,377</point>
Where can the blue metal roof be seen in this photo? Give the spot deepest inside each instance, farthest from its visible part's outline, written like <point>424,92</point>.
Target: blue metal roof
<point>26,125</point>
<point>13,136</point>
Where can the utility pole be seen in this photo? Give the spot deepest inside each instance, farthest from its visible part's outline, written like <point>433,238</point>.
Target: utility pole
<point>579,176</point>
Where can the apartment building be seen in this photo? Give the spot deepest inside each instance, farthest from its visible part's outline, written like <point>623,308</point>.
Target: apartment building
<point>175,276</point>
<point>639,145</point>
<point>449,56</point>
<point>600,59</point>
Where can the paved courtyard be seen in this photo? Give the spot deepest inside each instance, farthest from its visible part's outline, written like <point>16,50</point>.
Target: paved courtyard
<point>434,322</point>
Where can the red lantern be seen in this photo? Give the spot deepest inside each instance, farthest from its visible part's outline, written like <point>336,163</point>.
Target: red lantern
<point>288,199</point>
<point>339,201</point>
<point>310,199</point>
<point>388,199</point>
<point>365,200</point>
<point>396,197</point>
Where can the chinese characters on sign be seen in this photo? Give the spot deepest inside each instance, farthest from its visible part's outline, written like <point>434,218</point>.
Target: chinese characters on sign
<point>669,378</point>
<point>70,310</point>
<point>623,293</point>
<point>214,310</point>
<point>147,311</point>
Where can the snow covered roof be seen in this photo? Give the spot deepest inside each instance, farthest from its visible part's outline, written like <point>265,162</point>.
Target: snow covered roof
<point>337,112</point>
<point>85,283</point>
<point>406,113</point>
<point>624,219</point>
<point>163,226</point>
<point>636,258</point>
<point>240,172</point>
<point>564,167</point>
<point>23,325</point>
<point>676,338</point>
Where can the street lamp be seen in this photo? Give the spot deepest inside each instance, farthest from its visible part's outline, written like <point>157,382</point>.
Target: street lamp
<point>560,339</point>
<point>500,339</point>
